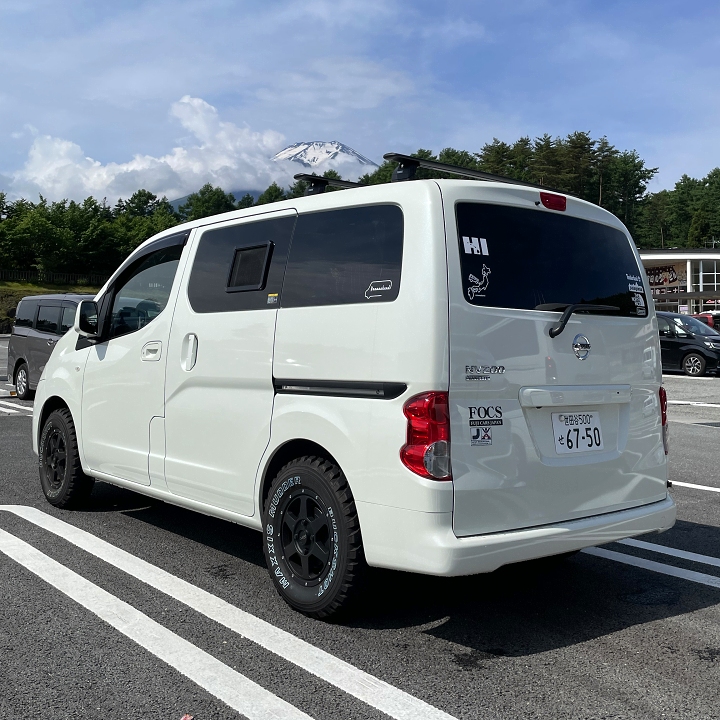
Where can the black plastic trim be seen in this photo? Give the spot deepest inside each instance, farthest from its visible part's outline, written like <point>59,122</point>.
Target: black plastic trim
<point>340,388</point>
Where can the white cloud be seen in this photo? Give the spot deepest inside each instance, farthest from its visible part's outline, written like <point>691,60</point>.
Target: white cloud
<point>218,152</point>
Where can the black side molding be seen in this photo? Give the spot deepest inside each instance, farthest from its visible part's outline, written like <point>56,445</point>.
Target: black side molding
<point>340,388</point>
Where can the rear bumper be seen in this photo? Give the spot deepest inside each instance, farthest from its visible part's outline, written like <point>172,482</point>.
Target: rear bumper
<point>425,543</point>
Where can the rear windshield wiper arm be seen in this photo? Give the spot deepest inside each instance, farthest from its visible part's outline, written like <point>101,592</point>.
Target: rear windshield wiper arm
<point>569,310</point>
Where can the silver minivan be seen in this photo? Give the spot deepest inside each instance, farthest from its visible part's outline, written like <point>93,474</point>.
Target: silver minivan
<point>40,321</point>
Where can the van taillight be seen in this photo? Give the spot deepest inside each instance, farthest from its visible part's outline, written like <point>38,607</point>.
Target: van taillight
<point>427,451</point>
<point>663,414</point>
<point>552,201</point>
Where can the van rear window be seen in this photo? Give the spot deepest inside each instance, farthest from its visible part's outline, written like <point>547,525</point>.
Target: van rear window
<point>26,313</point>
<point>520,258</point>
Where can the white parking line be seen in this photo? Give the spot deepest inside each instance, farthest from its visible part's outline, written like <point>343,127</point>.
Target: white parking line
<point>691,575</point>
<point>365,687</point>
<point>709,488</point>
<point>10,412</point>
<point>673,552</point>
<point>233,688</point>
<point>15,405</point>
<point>693,403</point>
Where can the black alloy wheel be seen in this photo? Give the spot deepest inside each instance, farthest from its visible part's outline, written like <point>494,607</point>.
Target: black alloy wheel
<point>22,382</point>
<point>694,365</point>
<point>61,477</point>
<point>312,542</point>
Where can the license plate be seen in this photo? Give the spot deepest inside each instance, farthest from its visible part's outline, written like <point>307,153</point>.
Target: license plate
<point>577,432</point>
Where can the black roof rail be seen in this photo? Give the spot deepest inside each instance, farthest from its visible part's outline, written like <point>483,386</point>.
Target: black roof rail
<point>408,165</point>
<point>317,184</point>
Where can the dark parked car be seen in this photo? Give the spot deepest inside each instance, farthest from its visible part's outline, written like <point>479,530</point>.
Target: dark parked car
<point>687,344</point>
<point>40,320</point>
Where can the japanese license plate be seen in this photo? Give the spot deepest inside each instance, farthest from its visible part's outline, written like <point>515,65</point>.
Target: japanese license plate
<point>577,432</point>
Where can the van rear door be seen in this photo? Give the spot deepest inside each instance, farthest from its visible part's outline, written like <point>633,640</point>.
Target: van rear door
<point>547,429</point>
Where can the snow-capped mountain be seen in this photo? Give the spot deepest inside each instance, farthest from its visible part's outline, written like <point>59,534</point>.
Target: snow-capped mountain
<point>316,153</point>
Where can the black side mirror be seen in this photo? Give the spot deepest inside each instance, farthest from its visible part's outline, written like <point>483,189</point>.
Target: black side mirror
<point>11,312</point>
<point>86,320</point>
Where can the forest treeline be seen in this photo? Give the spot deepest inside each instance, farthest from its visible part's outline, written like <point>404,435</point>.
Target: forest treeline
<point>94,237</point>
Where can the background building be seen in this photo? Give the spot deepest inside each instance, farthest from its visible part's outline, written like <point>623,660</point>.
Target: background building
<point>685,280</point>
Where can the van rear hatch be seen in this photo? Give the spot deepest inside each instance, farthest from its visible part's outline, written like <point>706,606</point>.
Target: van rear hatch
<point>547,429</point>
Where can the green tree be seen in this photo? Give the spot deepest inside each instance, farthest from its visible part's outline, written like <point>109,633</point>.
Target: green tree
<point>274,193</point>
<point>246,201</point>
<point>207,201</point>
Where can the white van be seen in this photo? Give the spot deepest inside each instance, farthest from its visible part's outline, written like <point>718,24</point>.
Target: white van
<point>438,376</point>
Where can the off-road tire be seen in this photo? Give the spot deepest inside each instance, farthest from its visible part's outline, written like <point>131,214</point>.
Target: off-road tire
<point>693,365</point>
<point>312,542</point>
<point>63,482</point>
<point>22,383</point>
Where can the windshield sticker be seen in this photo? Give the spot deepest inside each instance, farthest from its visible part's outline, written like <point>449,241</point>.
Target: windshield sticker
<point>633,278</point>
<point>377,288</point>
<point>477,287</point>
<point>639,304</point>
<point>635,287</point>
<point>480,436</point>
<point>475,246</point>
<point>480,416</point>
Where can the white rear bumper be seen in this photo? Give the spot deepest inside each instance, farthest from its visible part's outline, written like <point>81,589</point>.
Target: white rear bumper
<point>425,542</point>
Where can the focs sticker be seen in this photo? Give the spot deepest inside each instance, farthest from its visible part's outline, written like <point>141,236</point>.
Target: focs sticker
<point>485,416</point>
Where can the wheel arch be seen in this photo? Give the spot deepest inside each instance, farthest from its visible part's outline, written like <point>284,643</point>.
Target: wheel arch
<point>283,454</point>
<point>54,402</point>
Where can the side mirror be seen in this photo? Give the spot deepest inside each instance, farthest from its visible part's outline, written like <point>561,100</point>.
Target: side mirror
<point>12,312</point>
<point>86,320</point>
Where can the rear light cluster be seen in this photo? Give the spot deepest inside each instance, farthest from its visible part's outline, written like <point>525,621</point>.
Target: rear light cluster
<point>427,451</point>
<point>663,413</point>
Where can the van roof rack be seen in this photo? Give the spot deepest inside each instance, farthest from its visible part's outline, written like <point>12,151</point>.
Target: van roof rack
<point>317,184</point>
<point>408,166</point>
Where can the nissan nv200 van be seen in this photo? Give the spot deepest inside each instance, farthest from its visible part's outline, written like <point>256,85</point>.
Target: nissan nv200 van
<point>436,376</point>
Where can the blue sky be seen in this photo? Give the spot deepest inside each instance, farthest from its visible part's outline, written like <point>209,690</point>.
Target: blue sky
<point>104,98</point>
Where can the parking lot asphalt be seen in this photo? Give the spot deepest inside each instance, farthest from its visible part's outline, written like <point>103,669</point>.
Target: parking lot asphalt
<point>187,621</point>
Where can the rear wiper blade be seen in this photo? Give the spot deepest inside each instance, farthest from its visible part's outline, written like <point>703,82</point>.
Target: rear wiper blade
<point>569,310</point>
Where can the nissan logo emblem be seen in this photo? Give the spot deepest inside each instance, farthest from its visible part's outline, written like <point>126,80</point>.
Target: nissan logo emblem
<point>581,347</point>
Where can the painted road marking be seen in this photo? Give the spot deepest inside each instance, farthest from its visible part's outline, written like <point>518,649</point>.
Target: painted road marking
<point>233,688</point>
<point>365,687</point>
<point>10,412</point>
<point>691,575</point>
<point>695,487</point>
<point>16,405</point>
<point>693,403</point>
<point>664,550</point>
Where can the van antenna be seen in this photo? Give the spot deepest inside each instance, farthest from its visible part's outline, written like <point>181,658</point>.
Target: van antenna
<point>317,184</point>
<point>408,165</point>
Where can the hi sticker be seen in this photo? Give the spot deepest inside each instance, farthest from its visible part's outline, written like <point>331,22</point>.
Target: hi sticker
<point>477,286</point>
<point>480,436</point>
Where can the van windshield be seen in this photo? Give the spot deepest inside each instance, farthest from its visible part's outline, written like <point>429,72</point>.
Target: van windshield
<point>536,260</point>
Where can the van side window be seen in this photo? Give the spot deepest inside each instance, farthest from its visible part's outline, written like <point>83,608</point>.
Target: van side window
<point>353,255</point>
<point>68,318</point>
<point>25,313</point>
<point>663,326</point>
<point>144,291</point>
<point>240,267</point>
<point>48,319</point>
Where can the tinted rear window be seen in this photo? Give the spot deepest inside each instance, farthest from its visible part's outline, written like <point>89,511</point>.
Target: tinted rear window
<point>353,255</point>
<point>25,313</point>
<point>48,319</point>
<point>517,258</point>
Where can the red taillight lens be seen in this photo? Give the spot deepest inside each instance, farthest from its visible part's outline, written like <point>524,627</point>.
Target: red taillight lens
<point>663,414</point>
<point>427,451</point>
<point>552,201</point>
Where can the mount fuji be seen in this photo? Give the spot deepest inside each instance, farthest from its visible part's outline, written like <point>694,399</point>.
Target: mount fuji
<point>328,154</point>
